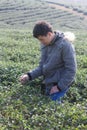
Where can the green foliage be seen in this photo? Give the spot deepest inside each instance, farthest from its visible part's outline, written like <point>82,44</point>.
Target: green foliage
<point>23,14</point>
<point>23,107</point>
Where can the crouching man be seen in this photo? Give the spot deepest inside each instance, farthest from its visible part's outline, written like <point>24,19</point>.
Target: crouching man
<point>57,64</point>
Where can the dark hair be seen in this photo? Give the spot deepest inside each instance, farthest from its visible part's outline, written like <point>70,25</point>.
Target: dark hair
<point>42,28</point>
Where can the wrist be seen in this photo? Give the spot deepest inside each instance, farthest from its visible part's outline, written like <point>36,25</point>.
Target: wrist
<point>58,88</point>
<point>56,84</point>
<point>29,76</point>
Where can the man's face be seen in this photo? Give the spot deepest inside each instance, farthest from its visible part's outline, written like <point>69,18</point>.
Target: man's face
<point>45,39</point>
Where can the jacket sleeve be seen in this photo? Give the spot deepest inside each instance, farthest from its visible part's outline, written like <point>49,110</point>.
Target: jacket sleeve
<point>70,65</point>
<point>35,73</point>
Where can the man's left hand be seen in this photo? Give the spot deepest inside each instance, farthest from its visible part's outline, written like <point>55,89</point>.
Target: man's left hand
<point>54,89</point>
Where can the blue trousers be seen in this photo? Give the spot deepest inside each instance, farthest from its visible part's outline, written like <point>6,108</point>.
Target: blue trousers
<point>58,95</point>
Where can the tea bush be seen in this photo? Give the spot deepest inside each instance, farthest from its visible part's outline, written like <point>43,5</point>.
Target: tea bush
<point>23,107</point>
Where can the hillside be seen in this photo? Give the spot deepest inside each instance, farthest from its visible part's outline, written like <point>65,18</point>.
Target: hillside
<point>79,6</point>
<point>23,14</point>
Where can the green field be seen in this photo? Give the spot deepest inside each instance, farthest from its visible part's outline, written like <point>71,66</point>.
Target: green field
<point>23,14</point>
<point>78,5</point>
<point>23,107</point>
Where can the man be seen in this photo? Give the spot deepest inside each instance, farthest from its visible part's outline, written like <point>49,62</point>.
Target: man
<point>57,64</point>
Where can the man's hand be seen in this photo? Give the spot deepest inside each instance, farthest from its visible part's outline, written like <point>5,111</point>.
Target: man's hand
<point>54,89</point>
<point>24,78</point>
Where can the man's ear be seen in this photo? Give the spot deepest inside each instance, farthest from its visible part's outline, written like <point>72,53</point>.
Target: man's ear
<point>49,33</point>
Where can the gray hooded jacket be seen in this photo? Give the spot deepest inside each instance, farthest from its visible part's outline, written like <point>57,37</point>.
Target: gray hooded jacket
<point>57,63</point>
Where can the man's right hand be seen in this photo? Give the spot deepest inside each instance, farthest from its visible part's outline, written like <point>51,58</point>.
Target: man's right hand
<point>24,79</point>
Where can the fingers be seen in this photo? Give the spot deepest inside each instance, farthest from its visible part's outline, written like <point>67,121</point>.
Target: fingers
<point>23,79</point>
<point>54,90</point>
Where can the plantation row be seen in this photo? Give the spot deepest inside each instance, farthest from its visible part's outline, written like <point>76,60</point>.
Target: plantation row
<point>23,107</point>
<point>22,14</point>
<point>79,7</point>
